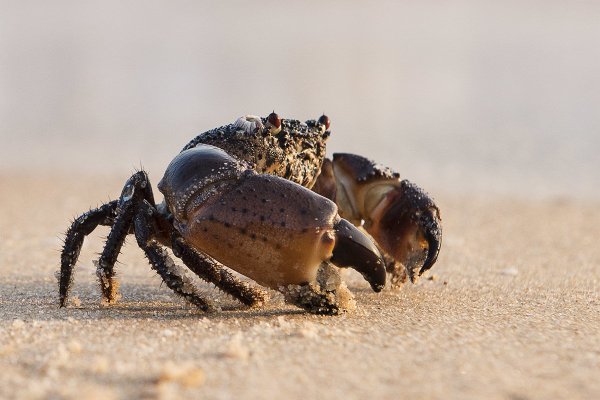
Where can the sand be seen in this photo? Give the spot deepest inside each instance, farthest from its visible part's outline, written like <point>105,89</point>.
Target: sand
<point>510,311</point>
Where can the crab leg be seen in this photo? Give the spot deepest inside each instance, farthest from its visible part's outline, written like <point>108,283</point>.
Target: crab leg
<point>136,197</point>
<point>161,262</point>
<point>401,218</point>
<point>136,193</point>
<point>215,273</point>
<point>81,227</point>
<point>137,188</point>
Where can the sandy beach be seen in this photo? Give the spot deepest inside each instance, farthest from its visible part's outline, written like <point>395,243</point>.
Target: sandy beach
<point>510,311</point>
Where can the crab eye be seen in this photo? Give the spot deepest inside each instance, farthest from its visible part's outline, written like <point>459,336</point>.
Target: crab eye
<point>274,120</point>
<point>324,120</point>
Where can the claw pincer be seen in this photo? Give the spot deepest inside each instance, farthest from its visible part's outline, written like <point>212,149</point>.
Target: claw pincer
<point>401,218</point>
<point>267,228</point>
<point>407,226</point>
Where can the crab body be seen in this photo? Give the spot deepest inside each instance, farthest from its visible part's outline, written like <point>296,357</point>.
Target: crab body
<point>294,150</point>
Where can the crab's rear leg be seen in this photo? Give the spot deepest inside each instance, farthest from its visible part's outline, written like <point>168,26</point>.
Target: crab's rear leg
<point>81,227</point>
<point>402,219</point>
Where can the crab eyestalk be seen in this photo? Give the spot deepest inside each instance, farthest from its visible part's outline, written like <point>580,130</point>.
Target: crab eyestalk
<point>325,121</point>
<point>273,123</point>
<point>402,218</point>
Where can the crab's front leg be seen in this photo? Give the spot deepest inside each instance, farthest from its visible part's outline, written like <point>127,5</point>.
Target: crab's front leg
<point>401,217</point>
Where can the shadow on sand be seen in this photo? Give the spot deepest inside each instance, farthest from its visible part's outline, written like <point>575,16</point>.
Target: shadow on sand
<point>39,301</point>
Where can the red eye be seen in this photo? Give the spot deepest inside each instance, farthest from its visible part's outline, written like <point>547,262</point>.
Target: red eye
<point>274,120</point>
<point>324,120</point>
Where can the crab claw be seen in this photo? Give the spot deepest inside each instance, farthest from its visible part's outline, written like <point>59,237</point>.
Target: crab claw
<point>402,218</point>
<point>272,230</point>
<point>354,249</point>
<point>406,224</point>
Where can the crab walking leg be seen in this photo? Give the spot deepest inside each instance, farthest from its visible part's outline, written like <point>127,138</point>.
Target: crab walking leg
<point>81,227</point>
<point>137,188</point>
<point>213,272</point>
<point>160,260</point>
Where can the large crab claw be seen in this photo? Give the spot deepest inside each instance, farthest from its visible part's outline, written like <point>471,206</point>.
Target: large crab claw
<point>401,218</point>
<point>272,230</point>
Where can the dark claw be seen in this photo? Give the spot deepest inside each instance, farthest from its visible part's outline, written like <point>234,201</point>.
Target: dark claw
<point>409,229</point>
<point>354,249</point>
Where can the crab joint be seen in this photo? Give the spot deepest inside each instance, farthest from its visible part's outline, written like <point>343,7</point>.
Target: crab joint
<point>354,249</point>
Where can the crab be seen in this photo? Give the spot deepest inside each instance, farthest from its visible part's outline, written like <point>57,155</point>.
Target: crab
<point>259,197</point>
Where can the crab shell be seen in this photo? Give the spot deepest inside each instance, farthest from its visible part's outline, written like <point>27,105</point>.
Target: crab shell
<point>287,148</point>
<point>267,228</point>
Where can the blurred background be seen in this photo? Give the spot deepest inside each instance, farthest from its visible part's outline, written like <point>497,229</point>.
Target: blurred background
<point>495,97</point>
